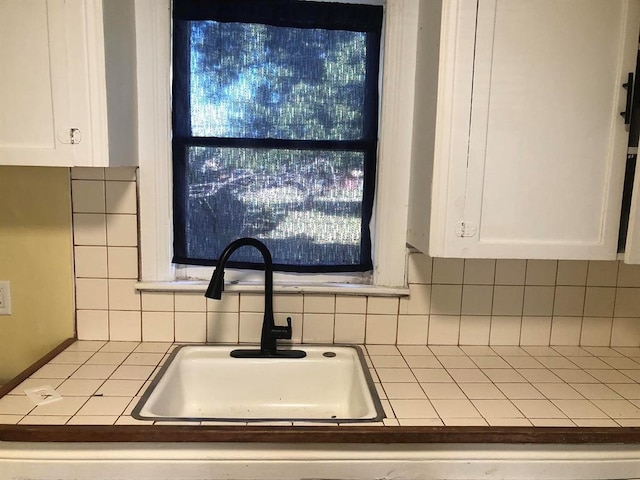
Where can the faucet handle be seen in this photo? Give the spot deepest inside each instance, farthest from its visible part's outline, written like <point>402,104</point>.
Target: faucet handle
<point>281,332</point>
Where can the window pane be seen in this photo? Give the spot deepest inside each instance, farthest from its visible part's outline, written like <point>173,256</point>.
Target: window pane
<point>305,205</point>
<point>260,81</point>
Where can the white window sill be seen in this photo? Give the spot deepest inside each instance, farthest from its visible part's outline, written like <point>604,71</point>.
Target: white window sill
<point>326,288</point>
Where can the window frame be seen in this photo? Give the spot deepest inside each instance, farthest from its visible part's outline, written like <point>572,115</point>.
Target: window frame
<point>389,224</point>
<point>357,141</point>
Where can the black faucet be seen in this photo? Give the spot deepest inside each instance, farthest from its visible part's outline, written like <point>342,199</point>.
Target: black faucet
<point>270,331</point>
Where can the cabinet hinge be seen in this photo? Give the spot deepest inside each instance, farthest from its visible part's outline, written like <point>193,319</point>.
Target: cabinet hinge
<point>70,136</point>
<point>466,229</point>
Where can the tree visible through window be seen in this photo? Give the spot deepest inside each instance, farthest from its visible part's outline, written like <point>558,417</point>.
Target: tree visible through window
<point>275,131</point>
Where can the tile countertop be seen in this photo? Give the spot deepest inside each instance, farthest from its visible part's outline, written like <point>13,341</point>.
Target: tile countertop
<point>100,383</point>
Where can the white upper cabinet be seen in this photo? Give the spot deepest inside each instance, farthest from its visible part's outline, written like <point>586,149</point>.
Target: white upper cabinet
<point>530,147</point>
<point>67,83</point>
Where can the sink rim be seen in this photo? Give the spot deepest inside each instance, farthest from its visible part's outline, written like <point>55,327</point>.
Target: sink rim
<point>370,389</point>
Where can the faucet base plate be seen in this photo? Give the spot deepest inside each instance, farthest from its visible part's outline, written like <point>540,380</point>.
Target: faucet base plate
<point>255,353</point>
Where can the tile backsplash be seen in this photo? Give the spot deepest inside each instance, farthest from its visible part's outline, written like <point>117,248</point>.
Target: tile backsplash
<point>451,301</point>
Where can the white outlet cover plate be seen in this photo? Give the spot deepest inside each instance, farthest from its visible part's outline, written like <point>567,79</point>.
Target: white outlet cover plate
<point>5,302</point>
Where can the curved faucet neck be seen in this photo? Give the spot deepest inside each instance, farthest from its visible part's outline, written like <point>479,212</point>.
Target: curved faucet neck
<point>217,280</point>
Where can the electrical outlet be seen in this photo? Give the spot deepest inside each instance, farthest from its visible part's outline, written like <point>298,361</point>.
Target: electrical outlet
<point>5,297</point>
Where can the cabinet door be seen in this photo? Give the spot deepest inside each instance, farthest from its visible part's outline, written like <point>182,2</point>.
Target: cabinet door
<point>43,98</point>
<point>540,164</point>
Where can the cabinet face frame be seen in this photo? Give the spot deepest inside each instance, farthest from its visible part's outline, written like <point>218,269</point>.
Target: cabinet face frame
<point>464,98</point>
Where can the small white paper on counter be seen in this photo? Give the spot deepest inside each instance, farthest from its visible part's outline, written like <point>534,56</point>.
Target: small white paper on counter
<point>42,395</point>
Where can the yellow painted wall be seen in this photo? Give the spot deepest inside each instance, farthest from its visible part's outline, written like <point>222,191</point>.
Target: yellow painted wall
<point>36,257</point>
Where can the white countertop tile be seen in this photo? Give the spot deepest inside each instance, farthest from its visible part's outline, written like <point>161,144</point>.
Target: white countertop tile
<point>101,382</point>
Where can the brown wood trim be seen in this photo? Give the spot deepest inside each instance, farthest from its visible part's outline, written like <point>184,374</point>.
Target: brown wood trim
<point>320,434</point>
<point>22,376</point>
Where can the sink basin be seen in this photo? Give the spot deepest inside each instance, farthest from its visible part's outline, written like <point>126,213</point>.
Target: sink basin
<point>203,382</point>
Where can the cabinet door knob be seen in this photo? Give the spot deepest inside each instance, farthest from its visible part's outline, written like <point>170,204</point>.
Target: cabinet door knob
<point>629,88</point>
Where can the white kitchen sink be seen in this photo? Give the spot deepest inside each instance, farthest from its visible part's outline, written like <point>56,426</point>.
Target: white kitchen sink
<point>201,382</point>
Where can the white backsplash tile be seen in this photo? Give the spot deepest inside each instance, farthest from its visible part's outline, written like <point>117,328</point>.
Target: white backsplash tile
<point>158,326</point>
<point>123,174</point>
<point>356,304</point>
<point>477,299</point>
<point>566,330</point>
<point>533,302</point>
<point>508,300</point>
<point>317,328</point>
<point>444,329</point>
<point>91,262</point>
<point>627,302</point>
<point>628,275</point>
<point>349,328</point>
<point>122,230</point>
<point>510,272</point>
<point>191,327</point>
<point>505,330</point>
<point>87,173</point>
<point>599,301</point>
<point>230,302</point>
<point>319,303</point>
<point>420,268</point>
<point>92,324</point>
<point>572,272</point>
<point>381,329</point>
<point>418,302</point>
<point>122,262</point>
<point>250,327</point>
<point>89,229</point>
<point>602,274</point>
<point>413,329</point>
<point>448,271</point>
<point>88,196</point>
<point>190,302</point>
<point>446,299</point>
<point>535,330</point>
<point>92,294</point>
<point>250,302</point>
<point>123,294</point>
<point>625,331</point>
<point>479,271</point>
<point>125,325</point>
<point>538,301</point>
<point>221,327</point>
<point>474,330</point>
<point>541,272</point>
<point>569,301</point>
<point>121,197</point>
<point>287,303</point>
<point>382,305</point>
<point>596,331</point>
<point>158,301</point>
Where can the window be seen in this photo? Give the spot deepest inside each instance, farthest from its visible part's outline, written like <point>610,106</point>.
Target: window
<point>275,131</point>
<point>389,226</point>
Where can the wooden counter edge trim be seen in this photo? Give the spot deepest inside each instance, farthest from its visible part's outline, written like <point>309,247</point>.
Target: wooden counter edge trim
<point>319,434</point>
<point>26,373</point>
